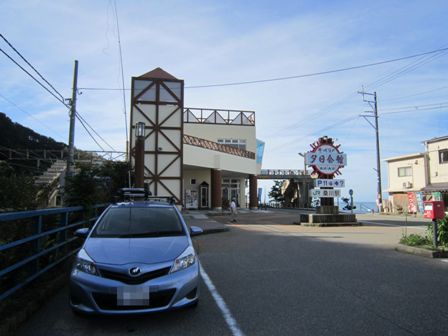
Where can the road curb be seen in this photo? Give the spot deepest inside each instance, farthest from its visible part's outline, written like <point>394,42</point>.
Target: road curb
<point>217,230</point>
<point>421,251</point>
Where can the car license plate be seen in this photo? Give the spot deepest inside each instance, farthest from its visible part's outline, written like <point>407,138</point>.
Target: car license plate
<point>132,296</point>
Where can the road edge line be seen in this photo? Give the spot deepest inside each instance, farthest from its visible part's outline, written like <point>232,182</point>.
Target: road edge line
<point>230,320</point>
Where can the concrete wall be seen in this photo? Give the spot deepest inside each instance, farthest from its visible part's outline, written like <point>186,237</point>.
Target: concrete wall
<point>202,157</point>
<point>438,173</point>
<point>417,178</point>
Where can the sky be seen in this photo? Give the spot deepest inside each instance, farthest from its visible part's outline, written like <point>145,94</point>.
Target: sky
<point>210,42</point>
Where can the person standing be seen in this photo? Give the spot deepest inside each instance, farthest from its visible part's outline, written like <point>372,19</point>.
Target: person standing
<point>233,211</point>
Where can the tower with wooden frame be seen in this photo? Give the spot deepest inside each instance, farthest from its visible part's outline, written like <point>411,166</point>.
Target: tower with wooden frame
<point>157,100</point>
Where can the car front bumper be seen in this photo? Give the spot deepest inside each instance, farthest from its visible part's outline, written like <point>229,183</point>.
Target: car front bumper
<point>92,294</point>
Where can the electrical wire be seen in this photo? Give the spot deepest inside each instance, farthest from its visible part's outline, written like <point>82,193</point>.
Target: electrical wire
<point>88,132</point>
<point>405,69</point>
<point>83,122</point>
<point>313,74</point>
<point>416,110</point>
<point>415,106</point>
<point>29,114</point>
<point>416,94</point>
<point>94,131</point>
<point>32,67</point>
<point>122,73</point>
<point>35,79</point>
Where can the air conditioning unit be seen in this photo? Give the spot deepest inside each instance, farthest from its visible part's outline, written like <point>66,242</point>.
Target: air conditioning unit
<point>407,185</point>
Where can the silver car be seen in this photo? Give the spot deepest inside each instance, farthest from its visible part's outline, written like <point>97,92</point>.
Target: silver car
<point>137,258</point>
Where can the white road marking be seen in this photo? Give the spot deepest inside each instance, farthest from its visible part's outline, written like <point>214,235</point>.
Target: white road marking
<point>231,322</point>
<point>444,260</point>
<point>393,225</point>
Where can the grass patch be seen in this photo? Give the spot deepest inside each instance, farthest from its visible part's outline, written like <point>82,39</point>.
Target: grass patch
<point>415,240</point>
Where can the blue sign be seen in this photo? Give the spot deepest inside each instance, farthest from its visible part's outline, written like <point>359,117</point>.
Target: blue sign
<point>419,198</point>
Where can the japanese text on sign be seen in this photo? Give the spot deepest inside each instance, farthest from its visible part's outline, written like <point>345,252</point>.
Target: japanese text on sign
<point>326,158</point>
<point>329,183</point>
<point>325,193</point>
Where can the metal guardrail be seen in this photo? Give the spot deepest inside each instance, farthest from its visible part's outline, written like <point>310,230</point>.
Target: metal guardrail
<point>43,242</point>
<point>219,116</point>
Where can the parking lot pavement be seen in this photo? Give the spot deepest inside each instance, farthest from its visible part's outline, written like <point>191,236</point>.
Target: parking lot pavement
<point>202,220</point>
<point>55,318</point>
<point>267,276</point>
<point>278,283</point>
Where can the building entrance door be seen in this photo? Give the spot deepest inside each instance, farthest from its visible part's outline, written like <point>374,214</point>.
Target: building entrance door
<point>203,195</point>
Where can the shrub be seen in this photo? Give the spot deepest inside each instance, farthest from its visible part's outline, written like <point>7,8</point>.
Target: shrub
<point>414,240</point>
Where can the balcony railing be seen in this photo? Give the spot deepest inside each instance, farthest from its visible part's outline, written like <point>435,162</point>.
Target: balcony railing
<point>207,144</point>
<point>221,117</point>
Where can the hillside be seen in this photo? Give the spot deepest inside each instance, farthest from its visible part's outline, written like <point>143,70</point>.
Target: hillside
<point>15,136</point>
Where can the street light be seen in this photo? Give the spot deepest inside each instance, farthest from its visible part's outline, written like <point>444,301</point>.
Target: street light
<point>140,129</point>
<point>140,154</point>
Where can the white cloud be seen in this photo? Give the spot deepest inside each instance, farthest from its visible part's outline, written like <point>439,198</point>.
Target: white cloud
<point>206,42</point>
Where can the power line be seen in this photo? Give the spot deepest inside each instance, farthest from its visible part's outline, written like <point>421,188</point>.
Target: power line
<point>313,74</point>
<point>417,110</point>
<point>35,79</point>
<point>320,73</point>
<point>88,132</point>
<point>421,93</point>
<point>31,66</point>
<point>94,131</point>
<point>416,106</point>
<point>405,69</point>
<point>122,74</point>
<point>29,114</point>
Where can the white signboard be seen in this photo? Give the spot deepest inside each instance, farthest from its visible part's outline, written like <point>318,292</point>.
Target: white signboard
<point>325,183</point>
<point>326,158</point>
<point>325,193</point>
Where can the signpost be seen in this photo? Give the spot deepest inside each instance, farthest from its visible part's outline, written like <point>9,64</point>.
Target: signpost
<point>329,183</point>
<point>325,193</point>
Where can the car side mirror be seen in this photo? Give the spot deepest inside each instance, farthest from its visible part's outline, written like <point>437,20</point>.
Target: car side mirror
<point>82,233</point>
<point>195,230</point>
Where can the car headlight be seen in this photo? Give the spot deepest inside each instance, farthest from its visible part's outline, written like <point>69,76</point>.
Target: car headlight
<point>185,260</point>
<point>85,264</point>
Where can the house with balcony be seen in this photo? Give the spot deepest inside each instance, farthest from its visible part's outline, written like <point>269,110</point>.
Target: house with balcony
<point>417,177</point>
<point>202,157</point>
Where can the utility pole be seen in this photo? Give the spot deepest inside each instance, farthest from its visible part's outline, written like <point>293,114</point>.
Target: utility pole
<point>374,114</point>
<point>71,135</point>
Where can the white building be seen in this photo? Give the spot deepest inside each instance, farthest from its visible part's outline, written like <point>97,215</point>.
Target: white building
<point>419,176</point>
<point>202,157</point>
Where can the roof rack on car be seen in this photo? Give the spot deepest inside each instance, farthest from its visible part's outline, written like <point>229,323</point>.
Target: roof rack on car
<point>142,194</point>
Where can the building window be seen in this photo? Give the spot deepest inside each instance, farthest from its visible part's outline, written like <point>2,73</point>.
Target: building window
<point>443,156</point>
<point>404,171</point>
<point>193,181</point>
<point>238,143</point>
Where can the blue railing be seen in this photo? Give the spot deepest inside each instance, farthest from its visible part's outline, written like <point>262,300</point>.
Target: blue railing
<point>33,242</point>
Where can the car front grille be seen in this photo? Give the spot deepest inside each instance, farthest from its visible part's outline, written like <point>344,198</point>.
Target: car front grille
<point>157,300</point>
<point>127,279</point>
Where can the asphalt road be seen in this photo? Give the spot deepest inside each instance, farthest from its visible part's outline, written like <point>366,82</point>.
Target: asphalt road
<point>279,279</point>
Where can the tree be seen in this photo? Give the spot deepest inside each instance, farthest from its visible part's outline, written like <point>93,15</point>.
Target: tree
<point>276,192</point>
<point>17,191</point>
<point>96,184</point>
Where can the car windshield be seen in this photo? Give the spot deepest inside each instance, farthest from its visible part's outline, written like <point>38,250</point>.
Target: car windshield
<point>139,222</point>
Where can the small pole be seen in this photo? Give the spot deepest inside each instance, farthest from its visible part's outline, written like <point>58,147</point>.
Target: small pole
<point>434,233</point>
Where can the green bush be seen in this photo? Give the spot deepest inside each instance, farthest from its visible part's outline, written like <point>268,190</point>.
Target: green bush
<point>414,240</point>
<point>442,232</point>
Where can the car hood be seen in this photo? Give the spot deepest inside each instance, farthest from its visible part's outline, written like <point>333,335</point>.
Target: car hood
<point>119,251</point>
